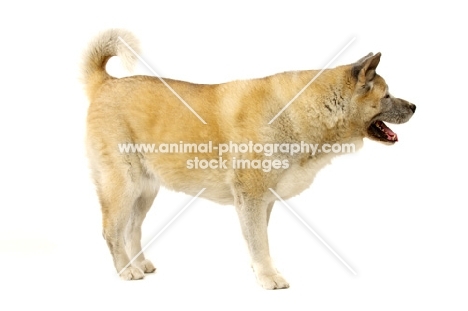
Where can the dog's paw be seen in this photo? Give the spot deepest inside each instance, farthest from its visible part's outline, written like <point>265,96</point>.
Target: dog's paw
<point>146,266</point>
<point>132,273</point>
<point>275,281</point>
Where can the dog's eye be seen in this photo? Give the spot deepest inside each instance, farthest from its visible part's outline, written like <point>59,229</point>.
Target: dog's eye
<point>387,96</point>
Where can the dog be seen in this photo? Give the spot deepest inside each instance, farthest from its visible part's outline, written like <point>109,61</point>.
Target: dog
<point>342,106</point>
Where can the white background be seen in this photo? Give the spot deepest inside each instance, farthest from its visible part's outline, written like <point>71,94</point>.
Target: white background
<point>396,214</point>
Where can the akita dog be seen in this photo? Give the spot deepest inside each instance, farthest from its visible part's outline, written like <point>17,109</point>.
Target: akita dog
<point>342,106</point>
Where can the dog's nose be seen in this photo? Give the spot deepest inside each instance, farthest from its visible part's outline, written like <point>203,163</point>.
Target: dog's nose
<point>413,108</point>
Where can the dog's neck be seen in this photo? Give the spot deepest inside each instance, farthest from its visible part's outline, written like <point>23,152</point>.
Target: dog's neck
<point>326,116</point>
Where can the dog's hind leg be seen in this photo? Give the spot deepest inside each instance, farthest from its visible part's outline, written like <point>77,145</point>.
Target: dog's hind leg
<point>124,192</point>
<point>141,206</point>
<point>117,197</point>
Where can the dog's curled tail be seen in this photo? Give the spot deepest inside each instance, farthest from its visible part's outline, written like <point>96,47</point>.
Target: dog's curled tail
<point>105,45</point>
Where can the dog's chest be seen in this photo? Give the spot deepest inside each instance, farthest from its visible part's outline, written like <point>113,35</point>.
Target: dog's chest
<point>299,176</point>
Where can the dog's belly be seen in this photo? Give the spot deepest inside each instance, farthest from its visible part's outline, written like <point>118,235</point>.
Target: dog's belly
<point>178,178</point>
<point>217,192</point>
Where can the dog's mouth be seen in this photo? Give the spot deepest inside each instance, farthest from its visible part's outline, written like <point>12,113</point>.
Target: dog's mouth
<point>381,132</point>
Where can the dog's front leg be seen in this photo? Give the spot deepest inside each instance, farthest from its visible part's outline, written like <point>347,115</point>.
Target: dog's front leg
<point>253,216</point>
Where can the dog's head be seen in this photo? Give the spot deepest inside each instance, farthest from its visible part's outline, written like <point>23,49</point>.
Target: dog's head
<point>374,104</point>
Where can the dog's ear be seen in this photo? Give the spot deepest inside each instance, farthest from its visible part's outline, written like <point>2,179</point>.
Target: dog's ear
<point>364,69</point>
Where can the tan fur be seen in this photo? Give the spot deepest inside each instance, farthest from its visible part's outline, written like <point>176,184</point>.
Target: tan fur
<point>337,108</point>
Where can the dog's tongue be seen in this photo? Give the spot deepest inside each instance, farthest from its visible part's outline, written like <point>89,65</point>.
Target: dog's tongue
<point>390,134</point>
